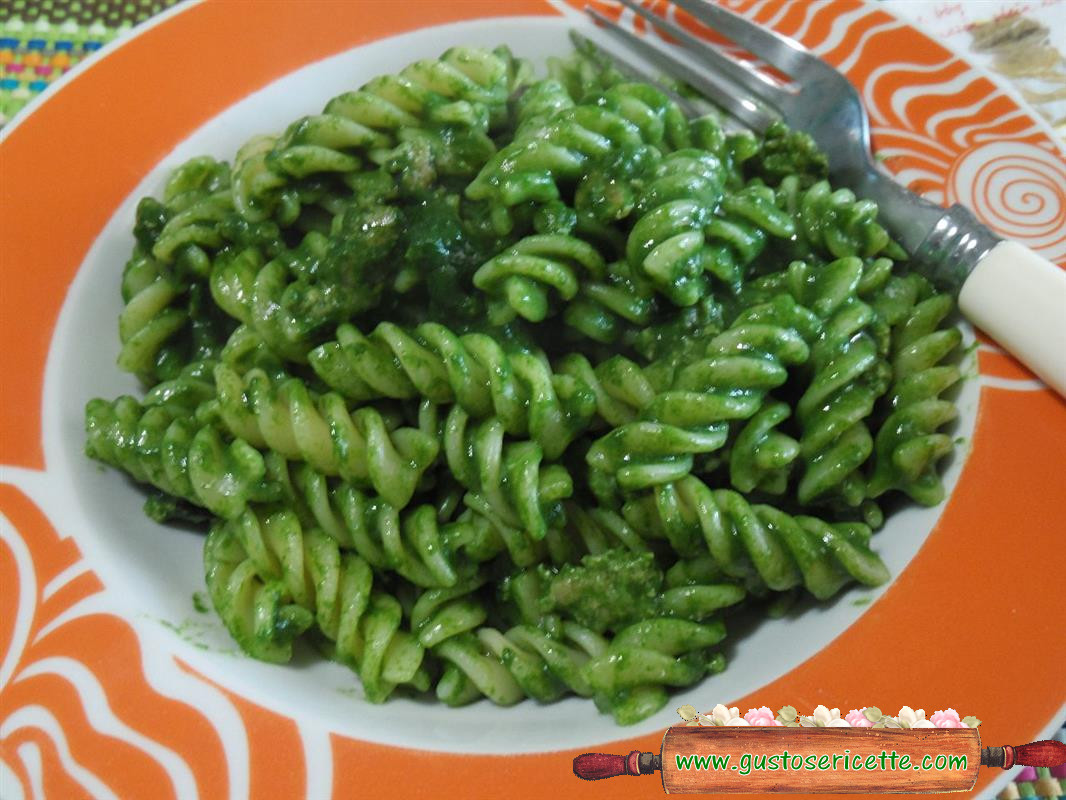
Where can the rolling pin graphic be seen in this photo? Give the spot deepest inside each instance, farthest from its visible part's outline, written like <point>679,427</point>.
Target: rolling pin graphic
<point>773,759</point>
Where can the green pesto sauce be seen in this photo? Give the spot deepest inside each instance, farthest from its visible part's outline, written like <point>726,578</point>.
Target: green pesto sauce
<point>445,255</point>
<point>606,590</point>
<point>194,632</point>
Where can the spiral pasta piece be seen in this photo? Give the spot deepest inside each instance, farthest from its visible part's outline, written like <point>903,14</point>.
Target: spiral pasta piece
<point>153,317</point>
<point>177,238</point>
<point>834,223</point>
<point>290,299</point>
<point>621,589</point>
<point>264,568</point>
<point>739,366</point>
<point>761,456</point>
<point>253,292</point>
<point>434,90</point>
<point>909,442</point>
<point>662,123</point>
<point>627,675</point>
<point>849,374</point>
<point>163,445</point>
<point>258,612</point>
<point>464,89</point>
<point>541,167</point>
<point>522,275</point>
<point>183,231</point>
<point>759,544</point>
<point>284,416</point>
<point>506,482</point>
<point>432,362</point>
<point>621,386</point>
<point>189,236</point>
<point>786,154</point>
<point>585,72</point>
<point>538,103</point>
<point>545,660</point>
<point>604,192</point>
<point>504,667</point>
<point>686,230</point>
<point>631,677</point>
<point>591,531</point>
<point>415,543</point>
<point>544,273</point>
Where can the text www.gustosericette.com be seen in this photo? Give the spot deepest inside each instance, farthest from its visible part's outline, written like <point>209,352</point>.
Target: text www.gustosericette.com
<point>844,762</point>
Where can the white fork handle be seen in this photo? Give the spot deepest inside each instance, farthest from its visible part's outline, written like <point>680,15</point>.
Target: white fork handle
<point>1019,299</point>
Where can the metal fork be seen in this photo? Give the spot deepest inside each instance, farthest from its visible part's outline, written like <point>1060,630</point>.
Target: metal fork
<point>1014,295</point>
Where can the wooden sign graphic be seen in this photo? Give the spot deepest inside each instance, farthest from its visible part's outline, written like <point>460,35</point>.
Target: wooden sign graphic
<point>727,759</point>
<point>837,760</point>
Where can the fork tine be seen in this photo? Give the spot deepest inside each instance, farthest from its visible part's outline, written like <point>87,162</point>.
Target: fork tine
<point>773,48</point>
<point>751,79</point>
<point>723,93</point>
<point>633,73</point>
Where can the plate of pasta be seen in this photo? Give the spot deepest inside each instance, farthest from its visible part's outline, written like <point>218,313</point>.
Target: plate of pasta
<point>469,401</point>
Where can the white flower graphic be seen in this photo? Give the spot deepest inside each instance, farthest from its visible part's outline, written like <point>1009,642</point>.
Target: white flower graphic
<point>824,718</point>
<point>720,715</point>
<point>909,718</point>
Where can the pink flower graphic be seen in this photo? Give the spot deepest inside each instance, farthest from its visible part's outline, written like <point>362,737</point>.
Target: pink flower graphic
<point>761,717</point>
<point>947,719</point>
<point>857,719</point>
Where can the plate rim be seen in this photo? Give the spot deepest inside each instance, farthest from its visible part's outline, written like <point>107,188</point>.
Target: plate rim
<point>176,11</point>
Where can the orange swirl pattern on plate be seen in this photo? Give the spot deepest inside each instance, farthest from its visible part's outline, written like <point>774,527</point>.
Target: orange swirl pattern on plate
<point>1017,187</point>
<point>91,702</point>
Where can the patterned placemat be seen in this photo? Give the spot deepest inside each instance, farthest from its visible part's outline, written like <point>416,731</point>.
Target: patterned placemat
<point>42,39</point>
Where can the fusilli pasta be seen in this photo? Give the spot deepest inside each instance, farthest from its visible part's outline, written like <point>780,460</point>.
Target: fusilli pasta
<point>509,388</point>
